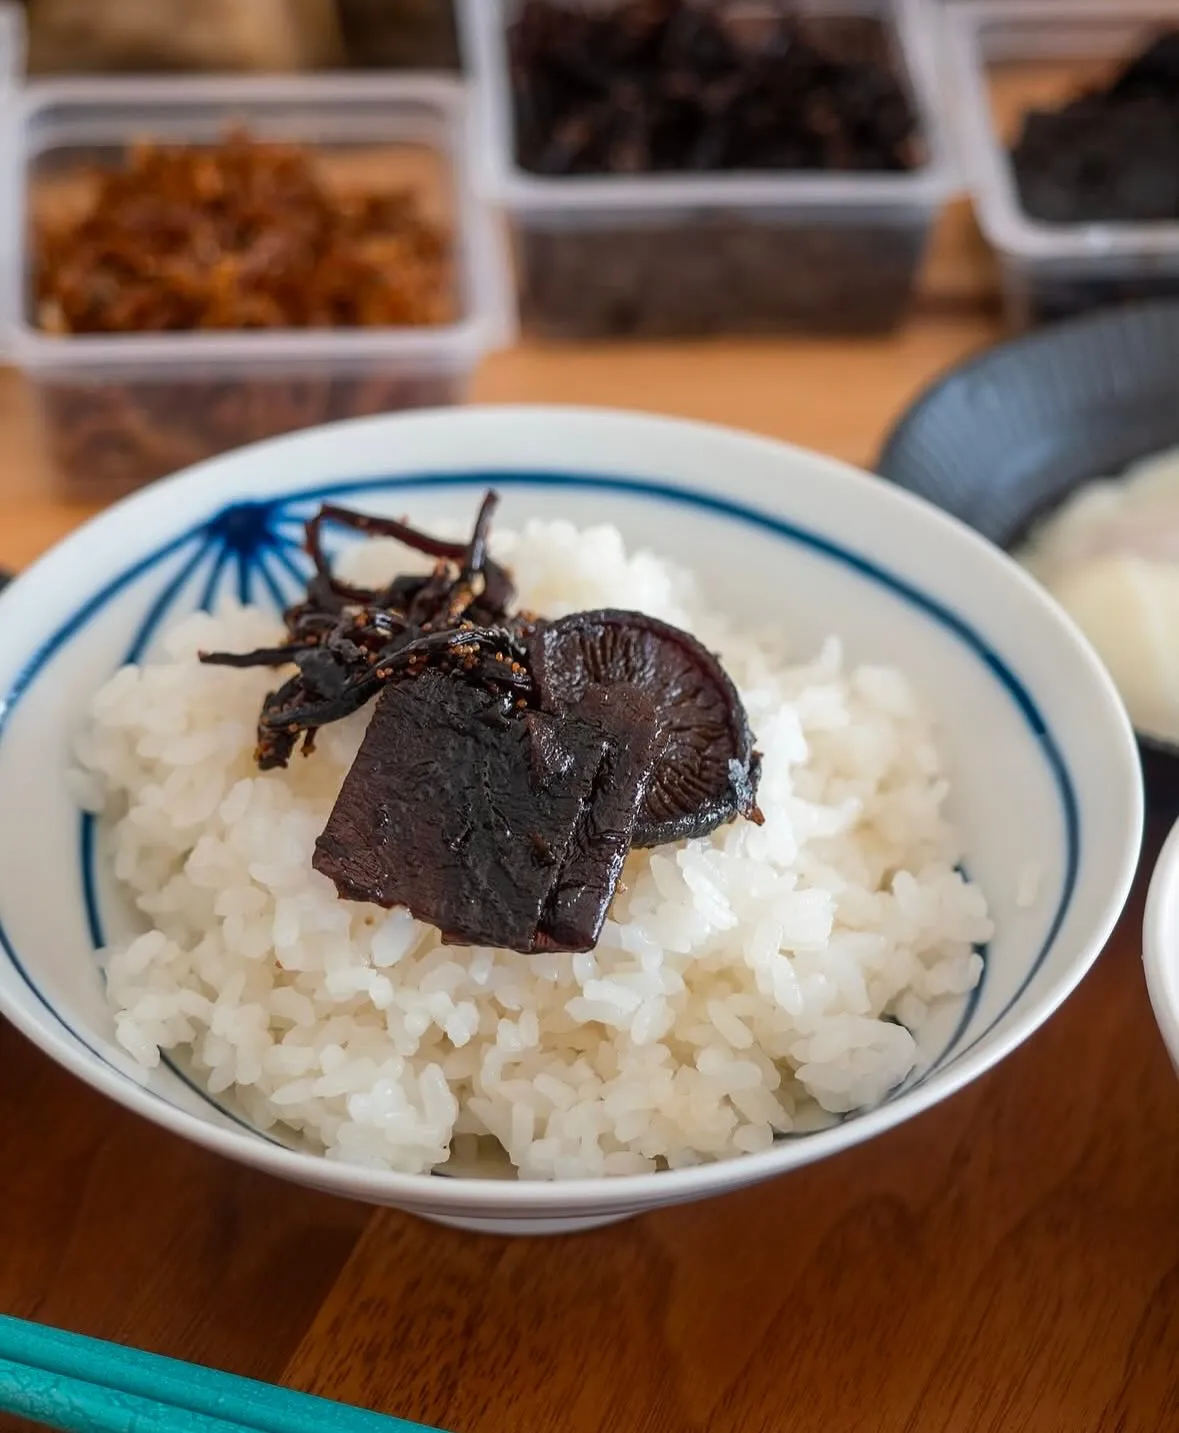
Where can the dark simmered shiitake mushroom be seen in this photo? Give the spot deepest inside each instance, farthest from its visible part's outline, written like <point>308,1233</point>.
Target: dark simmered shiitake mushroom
<point>707,771</point>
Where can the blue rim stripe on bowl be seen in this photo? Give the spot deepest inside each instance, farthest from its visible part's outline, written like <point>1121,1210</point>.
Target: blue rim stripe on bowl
<point>246,531</point>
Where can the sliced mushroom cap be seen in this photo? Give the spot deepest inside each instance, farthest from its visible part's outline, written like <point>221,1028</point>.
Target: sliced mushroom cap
<point>707,771</point>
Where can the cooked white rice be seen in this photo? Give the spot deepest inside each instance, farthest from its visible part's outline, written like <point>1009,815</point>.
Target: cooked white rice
<point>761,980</point>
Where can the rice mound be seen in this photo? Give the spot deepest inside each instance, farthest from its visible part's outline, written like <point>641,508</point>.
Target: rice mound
<point>761,980</point>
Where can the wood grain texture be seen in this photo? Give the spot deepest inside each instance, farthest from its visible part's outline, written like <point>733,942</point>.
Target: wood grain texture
<point>110,1226</point>
<point>1007,1263</point>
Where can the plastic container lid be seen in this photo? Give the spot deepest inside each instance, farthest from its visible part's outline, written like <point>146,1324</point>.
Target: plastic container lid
<point>12,66</point>
<point>483,25</point>
<point>12,44</point>
<point>429,110</point>
<point>1040,30</point>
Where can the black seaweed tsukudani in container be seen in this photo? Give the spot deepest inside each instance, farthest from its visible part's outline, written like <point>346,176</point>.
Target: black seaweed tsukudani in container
<point>628,242</point>
<point>1079,197</point>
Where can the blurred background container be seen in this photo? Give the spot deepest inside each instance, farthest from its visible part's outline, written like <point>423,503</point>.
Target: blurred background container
<point>121,408</point>
<point>274,36</point>
<point>258,36</point>
<point>12,44</point>
<point>1008,59</point>
<point>661,252</point>
<point>614,253</point>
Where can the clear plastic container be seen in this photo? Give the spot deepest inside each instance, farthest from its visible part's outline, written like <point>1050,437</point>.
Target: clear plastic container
<point>669,254</point>
<point>1005,57</point>
<point>12,45</point>
<point>12,66</point>
<point>121,410</point>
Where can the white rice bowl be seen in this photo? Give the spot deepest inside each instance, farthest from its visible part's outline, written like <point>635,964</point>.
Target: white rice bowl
<point>761,981</point>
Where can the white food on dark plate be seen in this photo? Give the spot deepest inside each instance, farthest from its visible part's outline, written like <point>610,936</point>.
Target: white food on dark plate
<point>757,981</point>
<point>1110,556</point>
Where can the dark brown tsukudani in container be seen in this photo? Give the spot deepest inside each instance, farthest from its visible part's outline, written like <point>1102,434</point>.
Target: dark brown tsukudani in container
<point>679,167</point>
<point>1108,155</point>
<point>1069,118</point>
<point>210,263</point>
<point>244,235</point>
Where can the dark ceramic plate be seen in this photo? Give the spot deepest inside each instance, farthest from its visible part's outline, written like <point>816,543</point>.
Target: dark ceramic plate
<point>1003,437</point>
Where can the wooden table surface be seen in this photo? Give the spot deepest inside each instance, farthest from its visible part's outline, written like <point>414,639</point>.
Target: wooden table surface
<point>1006,1262</point>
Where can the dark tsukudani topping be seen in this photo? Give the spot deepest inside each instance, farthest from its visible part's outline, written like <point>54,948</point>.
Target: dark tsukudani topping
<point>511,763</point>
<point>706,772</point>
<point>509,834</point>
<point>348,641</point>
<point>440,814</point>
<point>586,879</point>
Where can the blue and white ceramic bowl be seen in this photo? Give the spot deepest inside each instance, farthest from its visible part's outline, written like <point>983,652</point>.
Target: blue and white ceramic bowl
<point>1043,760</point>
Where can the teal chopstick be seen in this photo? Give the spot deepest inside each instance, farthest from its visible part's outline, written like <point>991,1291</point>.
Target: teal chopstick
<point>36,1360</point>
<point>74,1406</point>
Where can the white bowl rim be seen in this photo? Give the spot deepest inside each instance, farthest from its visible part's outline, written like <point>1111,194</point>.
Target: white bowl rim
<point>524,1199</point>
<point>1160,949</point>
